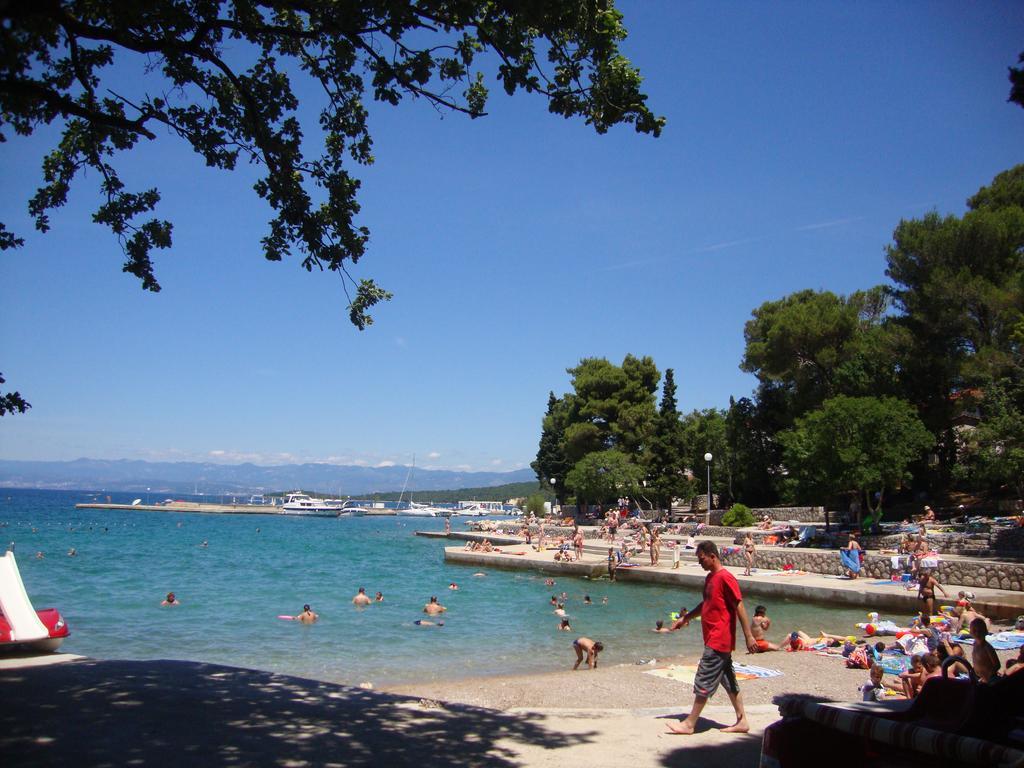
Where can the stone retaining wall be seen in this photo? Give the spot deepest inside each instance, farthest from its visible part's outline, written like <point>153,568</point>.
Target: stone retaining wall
<point>969,573</point>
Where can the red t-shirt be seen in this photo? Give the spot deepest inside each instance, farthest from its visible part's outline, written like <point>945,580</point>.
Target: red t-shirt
<point>718,612</point>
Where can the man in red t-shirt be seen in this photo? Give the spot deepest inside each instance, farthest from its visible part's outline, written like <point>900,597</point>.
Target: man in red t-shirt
<point>721,606</point>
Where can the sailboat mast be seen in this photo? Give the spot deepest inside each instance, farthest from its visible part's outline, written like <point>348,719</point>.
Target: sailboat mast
<point>406,483</point>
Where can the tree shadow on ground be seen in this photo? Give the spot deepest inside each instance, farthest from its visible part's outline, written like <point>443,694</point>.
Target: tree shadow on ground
<point>167,712</point>
<point>742,749</point>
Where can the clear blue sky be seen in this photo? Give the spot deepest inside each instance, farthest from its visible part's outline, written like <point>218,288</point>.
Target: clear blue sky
<point>799,134</point>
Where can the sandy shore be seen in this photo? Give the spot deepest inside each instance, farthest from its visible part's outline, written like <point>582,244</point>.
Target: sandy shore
<point>91,712</point>
<point>628,687</point>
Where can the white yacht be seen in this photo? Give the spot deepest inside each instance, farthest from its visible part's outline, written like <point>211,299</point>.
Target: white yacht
<point>418,510</point>
<point>303,504</point>
<point>348,508</point>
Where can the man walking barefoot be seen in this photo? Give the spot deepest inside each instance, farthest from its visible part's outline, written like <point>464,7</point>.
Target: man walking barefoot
<point>721,606</point>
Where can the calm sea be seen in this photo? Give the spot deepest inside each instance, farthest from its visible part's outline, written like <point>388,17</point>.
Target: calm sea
<point>256,567</point>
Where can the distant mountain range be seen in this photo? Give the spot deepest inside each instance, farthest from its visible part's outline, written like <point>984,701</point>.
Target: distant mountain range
<point>196,477</point>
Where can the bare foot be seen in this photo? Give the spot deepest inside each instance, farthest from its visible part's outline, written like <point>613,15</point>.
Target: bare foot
<point>740,727</point>
<point>685,728</point>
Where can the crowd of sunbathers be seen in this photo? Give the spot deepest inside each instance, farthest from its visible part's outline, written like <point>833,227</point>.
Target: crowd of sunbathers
<point>920,651</point>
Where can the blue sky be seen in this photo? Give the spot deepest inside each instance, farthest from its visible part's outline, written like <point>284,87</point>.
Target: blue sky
<point>798,135</point>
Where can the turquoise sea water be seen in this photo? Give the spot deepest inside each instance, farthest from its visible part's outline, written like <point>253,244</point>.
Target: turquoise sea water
<point>256,567</point>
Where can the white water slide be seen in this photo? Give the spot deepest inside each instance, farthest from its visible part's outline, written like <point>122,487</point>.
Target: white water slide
<point>25,624</point>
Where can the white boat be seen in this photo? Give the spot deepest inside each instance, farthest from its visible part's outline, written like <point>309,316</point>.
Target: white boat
<point>418,510</point>
<point>348,508</point>
<point>304,504</point>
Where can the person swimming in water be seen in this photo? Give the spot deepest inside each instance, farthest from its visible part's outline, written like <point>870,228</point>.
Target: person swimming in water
<point>361,598</point>
<point>171,600</point>
<point>433,608</point>
<point>307,616</point>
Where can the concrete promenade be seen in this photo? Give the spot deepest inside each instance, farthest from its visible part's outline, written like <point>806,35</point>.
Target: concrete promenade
<point>815,587</point>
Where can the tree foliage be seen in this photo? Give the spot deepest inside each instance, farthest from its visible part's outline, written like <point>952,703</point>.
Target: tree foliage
<point>959,286</point>
<point>738,516</point>
<point>12,401</point>
<point>755,456</point>
<point>551,463</point>
<point>704,432</point>
<point>602,476</point>
<point>218,75</point>
<point>611,406</point>
<point>666,453</point>
<point>854,444</point>
<point>818,345</point>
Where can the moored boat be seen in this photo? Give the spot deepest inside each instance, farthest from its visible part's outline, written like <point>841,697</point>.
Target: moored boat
<point>304,504</point>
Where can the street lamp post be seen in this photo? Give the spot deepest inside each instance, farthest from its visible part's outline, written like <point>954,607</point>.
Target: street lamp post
<point>707,458</point>
<point>555,494</point>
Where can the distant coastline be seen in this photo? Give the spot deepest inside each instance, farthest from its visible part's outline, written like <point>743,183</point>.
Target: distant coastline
<point>209,479</point>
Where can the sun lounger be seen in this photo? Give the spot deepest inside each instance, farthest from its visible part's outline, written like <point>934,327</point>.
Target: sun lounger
<point>804,539</point>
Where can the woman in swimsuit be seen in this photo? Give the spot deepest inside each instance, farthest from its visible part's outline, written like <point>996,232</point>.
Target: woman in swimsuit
<point>748,553</point>
<point>926,586</point>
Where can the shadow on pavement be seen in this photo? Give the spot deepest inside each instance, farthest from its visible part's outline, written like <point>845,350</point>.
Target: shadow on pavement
<point>740,750</point>
<point>164,712</point>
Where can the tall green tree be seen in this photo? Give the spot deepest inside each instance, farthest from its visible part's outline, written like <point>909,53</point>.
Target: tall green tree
<point>755,456</point>
<point>705,432</point>
<point>994,452</point>
<point>861,445</point>
<point>611,406</point>
<point>603,476</point>
<point>959,286</point>
<point>666,462</point>
<point>818,345</point>
<point>551,463</point>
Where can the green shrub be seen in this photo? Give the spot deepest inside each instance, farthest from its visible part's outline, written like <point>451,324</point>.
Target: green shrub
<point>535,504</point>
<point>738,516</point>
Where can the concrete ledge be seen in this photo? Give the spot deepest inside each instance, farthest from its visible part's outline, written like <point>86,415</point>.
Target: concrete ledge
<point>588,570</point>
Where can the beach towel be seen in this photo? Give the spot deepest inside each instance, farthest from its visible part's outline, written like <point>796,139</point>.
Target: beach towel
<point>850,559</point>
<point>894,665</point>
<point>686,673</point>
<point>750,669</point>
<point>677,672</point>
<point>1011,636</point>
<point>886,583</point>
<point>912,644</point>
<point>1001,644</point>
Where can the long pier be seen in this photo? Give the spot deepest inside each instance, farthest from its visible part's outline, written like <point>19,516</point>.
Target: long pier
<point>223,509</point>
<point>800,585</point>
<point>202,508</point>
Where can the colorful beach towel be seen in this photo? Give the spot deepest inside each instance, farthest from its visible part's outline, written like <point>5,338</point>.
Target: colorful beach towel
<point>850,559</point>
<point>750,669</point>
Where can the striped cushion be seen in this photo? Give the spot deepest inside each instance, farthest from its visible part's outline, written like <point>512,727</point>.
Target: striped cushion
<point>871,723</point>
